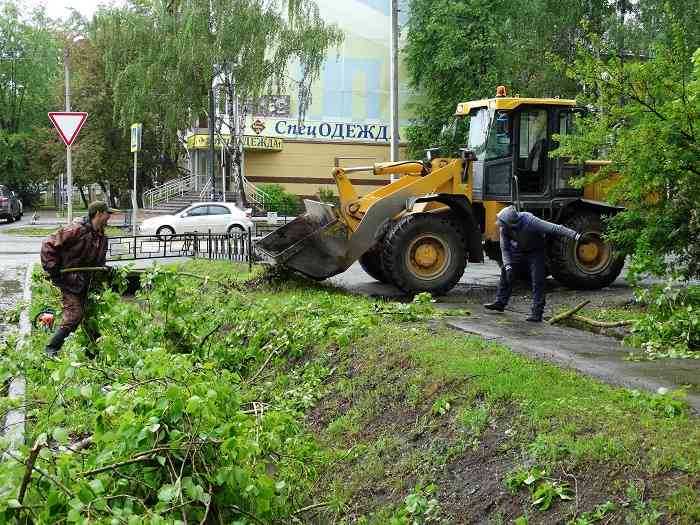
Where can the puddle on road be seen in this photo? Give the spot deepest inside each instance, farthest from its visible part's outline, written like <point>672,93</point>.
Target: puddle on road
<point>11,291</point>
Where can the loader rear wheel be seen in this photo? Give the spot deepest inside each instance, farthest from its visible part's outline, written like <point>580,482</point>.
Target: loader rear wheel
<point>371,262</point>
<point>424,252</point>
<point>587,266</point>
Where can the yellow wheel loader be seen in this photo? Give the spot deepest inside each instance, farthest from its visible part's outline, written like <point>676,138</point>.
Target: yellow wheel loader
<point>420,231</point>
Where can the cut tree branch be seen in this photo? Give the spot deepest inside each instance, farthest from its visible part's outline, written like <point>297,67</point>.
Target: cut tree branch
<point>602,324</point>
<point>31,459</point>
<point>568,313</point>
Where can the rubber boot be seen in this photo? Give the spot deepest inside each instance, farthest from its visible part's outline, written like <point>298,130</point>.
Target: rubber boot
<point>57,342</point>
<point>534,318</point>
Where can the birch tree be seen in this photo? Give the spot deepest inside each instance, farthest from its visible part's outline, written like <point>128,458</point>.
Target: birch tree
<point>163,56</point>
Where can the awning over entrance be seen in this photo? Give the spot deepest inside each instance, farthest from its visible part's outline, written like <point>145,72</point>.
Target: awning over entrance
<point>250,142</point>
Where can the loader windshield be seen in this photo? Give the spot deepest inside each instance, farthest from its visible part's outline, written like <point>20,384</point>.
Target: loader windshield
<point>489,134</point>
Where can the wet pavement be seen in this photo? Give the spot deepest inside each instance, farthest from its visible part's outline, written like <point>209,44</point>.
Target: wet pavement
<point>478,285</point>
<point>595,355</point>
<point>12,278</point>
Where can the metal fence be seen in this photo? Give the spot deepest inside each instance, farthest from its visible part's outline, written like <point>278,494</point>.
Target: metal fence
<point>236,247</point>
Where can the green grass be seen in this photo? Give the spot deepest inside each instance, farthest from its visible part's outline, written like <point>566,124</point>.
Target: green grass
<point>395,401</point>
<point>37,231</point>
<point>452,389</point>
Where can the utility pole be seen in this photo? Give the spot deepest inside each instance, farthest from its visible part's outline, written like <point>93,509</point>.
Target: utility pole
<point>69,167</point>
<point>394,74</point>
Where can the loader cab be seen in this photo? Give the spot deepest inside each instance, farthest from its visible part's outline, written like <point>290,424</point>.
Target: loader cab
<point>512,137</point>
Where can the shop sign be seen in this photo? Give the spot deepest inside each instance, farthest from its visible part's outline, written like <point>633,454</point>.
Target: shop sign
<point>258,126</point>
<point>250,142</point>
<point>262,143</point>
<point>270,106</point>
<point>336,131</point>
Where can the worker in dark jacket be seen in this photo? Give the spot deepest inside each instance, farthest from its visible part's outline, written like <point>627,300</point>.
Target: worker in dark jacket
<point>523,250</point>
<point>78,245</point>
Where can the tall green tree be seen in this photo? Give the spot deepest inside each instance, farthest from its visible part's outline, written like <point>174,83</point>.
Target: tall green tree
<point>163,56</point>
<point>459,51</point>
<point>102,154</point>
<point>28,67</point>
<point>647,122</point>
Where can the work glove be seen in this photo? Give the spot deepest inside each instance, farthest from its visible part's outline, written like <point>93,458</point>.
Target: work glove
<point>585,238</point>
<point>508,273</point>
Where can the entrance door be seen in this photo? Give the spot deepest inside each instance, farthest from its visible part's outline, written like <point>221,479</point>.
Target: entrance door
<point>533,149</point>
<point>564,171</point>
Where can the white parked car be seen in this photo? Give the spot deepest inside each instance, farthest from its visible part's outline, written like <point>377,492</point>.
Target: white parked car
<point>200,217</point>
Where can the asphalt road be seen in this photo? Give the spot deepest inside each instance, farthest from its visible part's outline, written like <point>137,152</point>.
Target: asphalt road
<point>478,285</point>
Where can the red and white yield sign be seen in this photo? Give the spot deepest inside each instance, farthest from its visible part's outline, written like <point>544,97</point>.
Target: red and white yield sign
<point>68,124</point>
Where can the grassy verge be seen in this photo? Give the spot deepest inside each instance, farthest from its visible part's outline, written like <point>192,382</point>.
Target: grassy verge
<point>275,401</point>
<point>37,231</point>
<point>495,432</point>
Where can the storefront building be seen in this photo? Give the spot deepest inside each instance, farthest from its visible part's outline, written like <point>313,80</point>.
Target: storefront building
<point>346,124</point>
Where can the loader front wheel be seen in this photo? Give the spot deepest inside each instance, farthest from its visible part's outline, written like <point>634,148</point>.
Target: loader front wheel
<point>424,252</point>
<point>371,262</point>
<point>588,266</point>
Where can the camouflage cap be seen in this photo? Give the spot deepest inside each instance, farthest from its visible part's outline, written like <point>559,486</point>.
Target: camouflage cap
<point>100,206</point>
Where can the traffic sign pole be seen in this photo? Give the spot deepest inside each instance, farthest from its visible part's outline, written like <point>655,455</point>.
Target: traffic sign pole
<point>69,177</point>
<point>68,125</point>
<point>135,203</point>
<point>69,163</point>
<point>136,132</point>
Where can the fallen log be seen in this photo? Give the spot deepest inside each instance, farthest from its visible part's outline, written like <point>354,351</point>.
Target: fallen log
<point>568,313</point>
<point>602,324</point>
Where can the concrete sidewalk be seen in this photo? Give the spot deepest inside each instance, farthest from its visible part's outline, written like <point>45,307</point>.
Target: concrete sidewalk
<point>595,355</point>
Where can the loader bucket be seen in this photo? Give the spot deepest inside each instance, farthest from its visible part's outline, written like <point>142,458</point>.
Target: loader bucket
<point>315,243</point>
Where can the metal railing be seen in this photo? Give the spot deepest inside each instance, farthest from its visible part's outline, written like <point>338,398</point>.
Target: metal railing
<point>204,194</point>
<point>168,190</point>
<point>233,247</point>
<point>254,194</point>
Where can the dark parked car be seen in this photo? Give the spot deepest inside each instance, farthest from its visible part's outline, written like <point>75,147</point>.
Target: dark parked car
<point>10,205</point>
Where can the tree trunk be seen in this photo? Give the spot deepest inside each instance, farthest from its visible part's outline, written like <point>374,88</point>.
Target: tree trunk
<point>235,144</point>
<point>110,196</point>
<point>82,195</point>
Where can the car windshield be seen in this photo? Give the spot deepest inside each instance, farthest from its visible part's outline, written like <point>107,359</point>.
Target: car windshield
<point>489,134</point>
<point>180,210</point>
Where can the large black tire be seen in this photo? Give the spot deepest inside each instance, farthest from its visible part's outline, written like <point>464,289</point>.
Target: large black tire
<point>585,267</point>
<point>165,232</point>
<point>371,262</point>
<point>424,252</point>
<point>236,229</point>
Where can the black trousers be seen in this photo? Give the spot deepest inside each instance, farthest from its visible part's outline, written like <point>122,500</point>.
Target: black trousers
<point>532,264</point>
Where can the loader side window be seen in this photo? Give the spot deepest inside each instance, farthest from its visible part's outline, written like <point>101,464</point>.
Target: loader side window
<point>565,172</point>
<point>532,154</point>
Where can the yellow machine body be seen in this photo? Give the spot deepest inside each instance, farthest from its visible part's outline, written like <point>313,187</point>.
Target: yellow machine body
<point>425,200</point>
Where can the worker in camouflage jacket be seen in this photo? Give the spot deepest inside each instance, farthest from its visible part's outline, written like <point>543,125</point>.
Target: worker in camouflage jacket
<point>522,237</point>
<point>78,245</point>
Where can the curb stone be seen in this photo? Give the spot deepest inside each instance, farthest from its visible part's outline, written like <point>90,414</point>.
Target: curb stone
<point>15,419</point>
